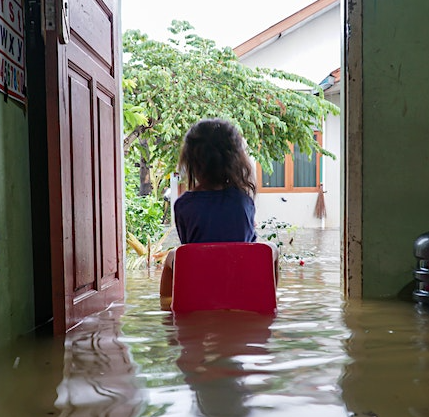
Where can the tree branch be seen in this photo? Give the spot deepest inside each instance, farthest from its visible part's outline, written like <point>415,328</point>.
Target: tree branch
<point>135,134</point>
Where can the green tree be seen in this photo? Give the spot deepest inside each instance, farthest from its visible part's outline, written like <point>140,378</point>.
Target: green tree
<point>169,86</point>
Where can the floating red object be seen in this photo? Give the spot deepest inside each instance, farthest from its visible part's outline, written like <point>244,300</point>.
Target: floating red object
<point>231,275</point>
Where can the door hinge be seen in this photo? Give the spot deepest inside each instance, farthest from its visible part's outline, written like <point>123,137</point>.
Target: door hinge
<point>49,13</point>
<point>64,22</point>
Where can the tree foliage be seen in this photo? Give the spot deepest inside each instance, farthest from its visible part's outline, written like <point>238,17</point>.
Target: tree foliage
<point>169,86</point>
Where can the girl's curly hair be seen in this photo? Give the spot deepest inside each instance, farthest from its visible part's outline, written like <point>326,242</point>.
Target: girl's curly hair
<point>213,153</point>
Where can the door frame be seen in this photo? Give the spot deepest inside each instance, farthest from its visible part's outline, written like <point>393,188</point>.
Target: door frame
<point>352,111</point>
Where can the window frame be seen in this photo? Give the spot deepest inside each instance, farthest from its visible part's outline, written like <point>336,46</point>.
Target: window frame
<point>289,174</point>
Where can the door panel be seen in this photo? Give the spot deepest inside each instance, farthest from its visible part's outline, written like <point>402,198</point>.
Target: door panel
<point>82,186</point>
<point>96,37</point>
<point>107,190</point>
<point>84,146</point>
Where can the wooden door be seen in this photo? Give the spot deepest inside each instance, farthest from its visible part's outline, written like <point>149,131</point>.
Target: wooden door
<point>84,151</point>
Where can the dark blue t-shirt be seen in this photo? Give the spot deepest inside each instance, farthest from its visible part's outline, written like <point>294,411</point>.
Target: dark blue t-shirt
<point>215,216</point>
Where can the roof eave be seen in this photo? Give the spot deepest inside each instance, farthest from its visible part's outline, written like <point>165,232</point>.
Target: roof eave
<point>284,27</point>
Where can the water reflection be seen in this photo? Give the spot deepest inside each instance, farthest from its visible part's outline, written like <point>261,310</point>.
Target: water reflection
<point>215,347</point>
<point>98,376</point>
<point>389,345</point>
<point>30,371</point>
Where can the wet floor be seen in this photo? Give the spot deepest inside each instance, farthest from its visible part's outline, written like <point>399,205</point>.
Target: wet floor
<point>319,357</point>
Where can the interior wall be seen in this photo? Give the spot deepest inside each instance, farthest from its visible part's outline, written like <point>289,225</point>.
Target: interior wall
<point>16,272</point>
<point>395,151</point>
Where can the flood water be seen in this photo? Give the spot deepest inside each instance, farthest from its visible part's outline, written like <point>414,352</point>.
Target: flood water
<point>319,357</point>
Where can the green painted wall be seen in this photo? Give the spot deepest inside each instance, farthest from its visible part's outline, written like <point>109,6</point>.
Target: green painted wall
<point>395,141</point>
<point>16,274</point>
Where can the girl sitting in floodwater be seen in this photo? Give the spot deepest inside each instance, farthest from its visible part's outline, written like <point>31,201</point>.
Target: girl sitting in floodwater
<point>219,205</point>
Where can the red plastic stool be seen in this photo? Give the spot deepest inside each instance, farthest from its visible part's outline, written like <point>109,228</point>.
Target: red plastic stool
<point>232,275</point>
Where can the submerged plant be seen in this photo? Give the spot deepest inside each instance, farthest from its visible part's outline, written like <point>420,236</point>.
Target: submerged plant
<point>283,234</point>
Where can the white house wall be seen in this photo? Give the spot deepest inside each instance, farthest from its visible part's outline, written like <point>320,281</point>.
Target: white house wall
<point>331,182</point>
<point>313,51</point>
